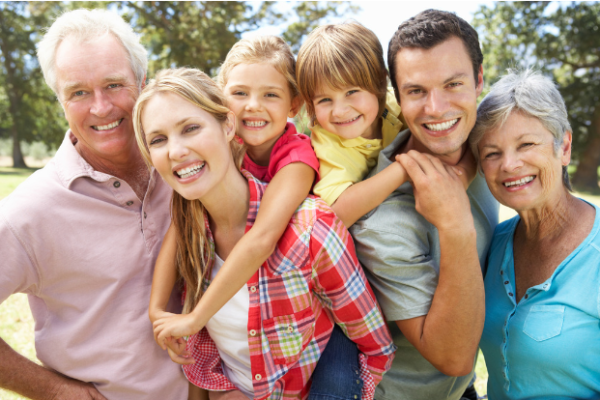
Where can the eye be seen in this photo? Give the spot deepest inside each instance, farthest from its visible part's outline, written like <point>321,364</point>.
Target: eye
<point>454,84</point>
<point>273,95</point>
<point>491,155</point>
<point>238,93</point>
<point>157,140</point>
<point>78,93</point>
<point>191,128</point>
<point>352,92</point>
<point>525,145</point>
<point>114,85</point>
<point>415,91</point>
<point>323,100</point>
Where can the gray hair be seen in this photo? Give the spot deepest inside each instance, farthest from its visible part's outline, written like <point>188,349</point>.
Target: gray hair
<point>530,93</point>
<point>86,25</point>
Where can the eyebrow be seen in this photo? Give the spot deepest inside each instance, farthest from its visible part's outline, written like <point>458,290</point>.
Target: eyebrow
<point>178,123</point>
<point>410,85</point>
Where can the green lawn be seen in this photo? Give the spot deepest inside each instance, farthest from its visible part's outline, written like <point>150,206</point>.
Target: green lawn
<point>16,323</point>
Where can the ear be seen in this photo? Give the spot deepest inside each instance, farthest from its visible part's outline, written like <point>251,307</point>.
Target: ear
<point>229,126</point>
<point>565,148</point>
<point>297,103</point>
<point>144,82</point>
<point>479,87</point>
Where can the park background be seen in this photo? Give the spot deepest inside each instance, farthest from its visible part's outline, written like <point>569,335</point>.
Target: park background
<point>560,39</point>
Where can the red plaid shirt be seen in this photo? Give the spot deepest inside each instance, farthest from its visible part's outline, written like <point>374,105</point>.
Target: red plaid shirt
<point>310,282</point>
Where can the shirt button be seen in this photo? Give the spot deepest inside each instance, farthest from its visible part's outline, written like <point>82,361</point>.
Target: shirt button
<point>290,328</point>
<point>506,282</point>
<point>501,272</point>
<point>117,184</point>
<point>526,296</point>
<point>252,332</point>
<point>258,377</point>
<point>368,146</point>
<point>546,286</point>
<point>145,215</point>
<point>129,203</point>
<point>510,294</point>
<point>253,289</point>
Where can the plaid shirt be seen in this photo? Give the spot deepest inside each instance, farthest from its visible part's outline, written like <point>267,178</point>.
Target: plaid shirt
<point>311,281</point>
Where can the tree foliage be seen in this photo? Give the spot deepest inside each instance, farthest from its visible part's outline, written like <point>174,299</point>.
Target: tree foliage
<point>196,34</point>
<point>563,41</point>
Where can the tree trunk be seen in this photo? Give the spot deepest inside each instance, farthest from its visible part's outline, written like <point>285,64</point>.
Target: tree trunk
<point>17,154</point>
<point>586,176</point>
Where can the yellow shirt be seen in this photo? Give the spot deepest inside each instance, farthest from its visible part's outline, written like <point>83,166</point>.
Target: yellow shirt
<point>344,162</point>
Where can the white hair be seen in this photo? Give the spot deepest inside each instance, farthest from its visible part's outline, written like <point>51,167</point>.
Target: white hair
<point>530,93</point>
<point>85,25</point>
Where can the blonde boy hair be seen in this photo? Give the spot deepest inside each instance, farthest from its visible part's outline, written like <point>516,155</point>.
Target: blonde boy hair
<point>193,246</point>
<point>341,55</point>
<point>261,49</point>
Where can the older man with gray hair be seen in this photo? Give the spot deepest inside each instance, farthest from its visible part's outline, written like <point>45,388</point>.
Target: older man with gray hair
<point>81,236</point>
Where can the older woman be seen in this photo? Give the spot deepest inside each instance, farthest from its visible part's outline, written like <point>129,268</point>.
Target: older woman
<point>542,330</point>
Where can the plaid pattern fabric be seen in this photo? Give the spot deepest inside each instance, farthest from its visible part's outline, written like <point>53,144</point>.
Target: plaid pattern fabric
<point>311,281</point>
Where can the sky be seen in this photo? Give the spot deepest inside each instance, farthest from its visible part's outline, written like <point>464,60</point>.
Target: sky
<point>383,17</point>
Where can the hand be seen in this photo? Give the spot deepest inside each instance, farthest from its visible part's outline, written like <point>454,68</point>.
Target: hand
<point>439,194</point>
<point>177,351</point>
<point>229,395</point>
<point>175,326</point>
<point>73,389</point>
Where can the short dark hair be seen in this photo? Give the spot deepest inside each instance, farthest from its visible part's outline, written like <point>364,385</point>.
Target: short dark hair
<point>428,29</point>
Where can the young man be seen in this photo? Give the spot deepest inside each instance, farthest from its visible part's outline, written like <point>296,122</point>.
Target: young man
<point>422,249</point>
<point>81,236</point>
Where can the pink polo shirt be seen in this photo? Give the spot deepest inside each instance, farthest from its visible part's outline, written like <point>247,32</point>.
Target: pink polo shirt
<point>83,246</point>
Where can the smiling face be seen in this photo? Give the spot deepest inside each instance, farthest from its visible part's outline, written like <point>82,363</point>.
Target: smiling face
<point>438,95</point>
<point>349,113</point>
<point>262,101</point>
<point>97,89</point>
<point>188,147</point>
<point>520,165</point>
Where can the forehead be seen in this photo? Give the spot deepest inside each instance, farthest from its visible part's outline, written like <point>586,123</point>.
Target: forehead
<point>257,74</point>
<point>434,65</point>
<point>88,62</point>
<point>517,126</point>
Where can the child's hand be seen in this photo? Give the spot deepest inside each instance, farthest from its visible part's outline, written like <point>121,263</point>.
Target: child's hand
<point>177,351</point>
<point>174,326</point>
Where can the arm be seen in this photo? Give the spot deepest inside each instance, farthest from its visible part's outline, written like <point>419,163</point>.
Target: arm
<point>362,197</point>
<point>448,336</point>
<point>165,274</point>
<point>289,187</point>
<point>33,381</point>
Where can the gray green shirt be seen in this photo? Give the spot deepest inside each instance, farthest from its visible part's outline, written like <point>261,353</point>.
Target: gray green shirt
<point>400,253</point>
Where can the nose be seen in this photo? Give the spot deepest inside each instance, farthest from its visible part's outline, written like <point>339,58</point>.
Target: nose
<point>339,109</point>
<point>177,149</point>
<point>102,104</point>
<point>511,161</point>
<point>437,104</point>
<point>253,103</point>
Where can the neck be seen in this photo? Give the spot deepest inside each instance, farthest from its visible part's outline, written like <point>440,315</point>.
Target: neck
<point>227,204</point>
<point>549,220</point>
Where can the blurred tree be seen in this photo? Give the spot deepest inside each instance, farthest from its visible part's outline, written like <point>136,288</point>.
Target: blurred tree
<point>28,109</point>
<point>563,41</point>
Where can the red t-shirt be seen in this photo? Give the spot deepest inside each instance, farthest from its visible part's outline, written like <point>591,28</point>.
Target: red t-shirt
<point>290,147</point>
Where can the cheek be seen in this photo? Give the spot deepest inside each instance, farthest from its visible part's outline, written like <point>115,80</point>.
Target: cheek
<point>549,173</point>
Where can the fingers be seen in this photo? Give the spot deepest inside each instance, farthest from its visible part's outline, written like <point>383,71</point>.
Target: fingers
<point>178,352</point>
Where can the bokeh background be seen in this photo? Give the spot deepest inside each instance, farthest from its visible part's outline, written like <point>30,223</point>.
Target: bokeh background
<point>560,39</point>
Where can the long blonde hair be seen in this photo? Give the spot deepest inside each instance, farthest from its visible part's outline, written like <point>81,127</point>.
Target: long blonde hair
<point>193,248</point>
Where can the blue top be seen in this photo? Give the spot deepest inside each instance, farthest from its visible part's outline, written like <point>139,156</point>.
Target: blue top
<point>547,345</point>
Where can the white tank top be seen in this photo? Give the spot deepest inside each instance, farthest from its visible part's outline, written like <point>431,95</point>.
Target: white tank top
<point>228,328</point>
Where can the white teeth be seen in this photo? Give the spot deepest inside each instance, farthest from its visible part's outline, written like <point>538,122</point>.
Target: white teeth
<point>347,122</point>
<point>189,171</point>
<point>442,126</point>
<point>107,127</point>
<point>255,123</point>
<point>519,182</point>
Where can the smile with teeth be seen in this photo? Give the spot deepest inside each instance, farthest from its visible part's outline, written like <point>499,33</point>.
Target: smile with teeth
<point>519,182</point>
<point>255,124</point>
<point>190,171</point>
<point>442,126</point>
<point>107,127</point>
<point>348,121</point>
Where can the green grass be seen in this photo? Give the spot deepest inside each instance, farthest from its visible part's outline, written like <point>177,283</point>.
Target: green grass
<point>10,178</point>
<point>16,322</point>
